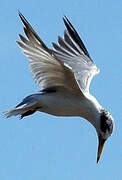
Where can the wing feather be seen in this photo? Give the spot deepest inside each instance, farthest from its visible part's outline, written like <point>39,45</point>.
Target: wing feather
<point>48,71</point>
<point>73,52</point>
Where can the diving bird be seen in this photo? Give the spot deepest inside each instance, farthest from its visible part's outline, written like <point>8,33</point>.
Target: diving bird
<point>64,74</point>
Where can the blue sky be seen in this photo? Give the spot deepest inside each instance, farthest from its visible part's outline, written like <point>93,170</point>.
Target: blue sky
<point>41,146</point>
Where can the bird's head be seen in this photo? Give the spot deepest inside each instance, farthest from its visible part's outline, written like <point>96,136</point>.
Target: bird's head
<point>105,130</point>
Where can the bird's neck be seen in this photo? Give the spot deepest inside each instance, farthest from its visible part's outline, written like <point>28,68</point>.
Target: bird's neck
<point>91,111</point>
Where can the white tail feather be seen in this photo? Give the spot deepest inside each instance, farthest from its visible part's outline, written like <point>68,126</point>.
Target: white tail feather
<point>28,106</point>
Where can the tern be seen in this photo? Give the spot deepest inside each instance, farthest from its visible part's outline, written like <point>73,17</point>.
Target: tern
<point>64,74</point>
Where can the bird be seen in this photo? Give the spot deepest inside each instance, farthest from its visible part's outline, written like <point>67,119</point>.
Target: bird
<point>64,74</point>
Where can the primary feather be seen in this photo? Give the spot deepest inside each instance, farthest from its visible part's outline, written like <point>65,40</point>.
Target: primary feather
<point>48,71</point>
<point>72,51</point>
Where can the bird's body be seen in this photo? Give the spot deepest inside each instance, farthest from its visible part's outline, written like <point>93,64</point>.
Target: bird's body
<point>60,104</point>
<point>64,76</point>
<point>63,103</point>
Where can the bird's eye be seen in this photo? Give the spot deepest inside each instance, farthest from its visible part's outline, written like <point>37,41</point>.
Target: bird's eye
<point>105,123</point>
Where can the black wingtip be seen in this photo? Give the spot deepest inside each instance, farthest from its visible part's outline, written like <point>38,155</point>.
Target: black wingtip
<point>68,25</point>
<point>23,19</point>
<point>64,18</point>
<point>66,21</point>
<point>20,14</point>
<point>75,35</point>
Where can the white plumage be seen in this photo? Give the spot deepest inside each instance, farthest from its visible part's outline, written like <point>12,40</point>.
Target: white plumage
<point>64,76</point>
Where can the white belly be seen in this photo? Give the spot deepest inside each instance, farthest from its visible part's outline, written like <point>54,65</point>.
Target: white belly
<point>68,105</point>
<point>60,105</point>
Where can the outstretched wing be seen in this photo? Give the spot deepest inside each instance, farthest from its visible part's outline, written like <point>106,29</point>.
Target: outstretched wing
<point>48,71</point>
<point>72,51</point>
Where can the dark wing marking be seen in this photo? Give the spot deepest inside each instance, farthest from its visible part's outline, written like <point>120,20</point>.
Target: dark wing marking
<point>73,33</point>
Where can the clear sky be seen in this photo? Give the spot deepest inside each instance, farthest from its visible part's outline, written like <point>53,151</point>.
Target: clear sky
<point>41,146</point>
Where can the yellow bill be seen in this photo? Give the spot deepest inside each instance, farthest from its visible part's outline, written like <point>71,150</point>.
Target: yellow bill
<point>100,147</point>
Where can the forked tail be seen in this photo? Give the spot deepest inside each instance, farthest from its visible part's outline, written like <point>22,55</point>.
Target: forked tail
<point>28,106</point>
